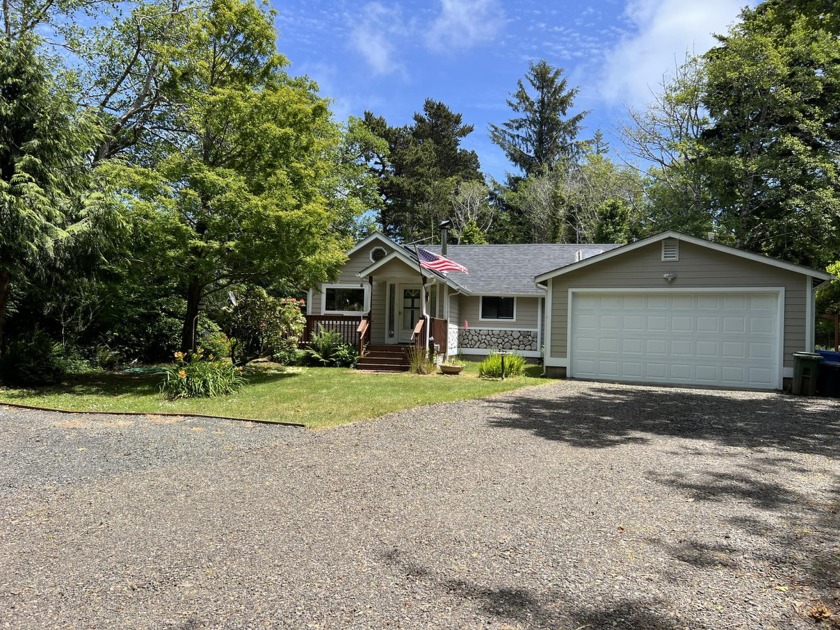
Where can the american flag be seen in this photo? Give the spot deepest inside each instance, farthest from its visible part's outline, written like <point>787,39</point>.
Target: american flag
<point>428,260</point>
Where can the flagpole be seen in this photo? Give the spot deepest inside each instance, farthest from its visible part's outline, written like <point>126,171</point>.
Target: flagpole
<point>422,289</point>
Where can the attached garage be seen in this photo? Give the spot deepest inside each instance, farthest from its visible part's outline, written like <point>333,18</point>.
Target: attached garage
<point>675,309</point>
<point>724,339</point>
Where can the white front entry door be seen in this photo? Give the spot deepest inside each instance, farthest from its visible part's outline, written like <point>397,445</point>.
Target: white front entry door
<point>728,339</point>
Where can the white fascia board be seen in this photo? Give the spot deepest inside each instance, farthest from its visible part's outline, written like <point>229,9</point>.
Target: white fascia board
<point>394,255</point>
<point>412,264</point>
<point>726,249</point>
<point>376,236</point>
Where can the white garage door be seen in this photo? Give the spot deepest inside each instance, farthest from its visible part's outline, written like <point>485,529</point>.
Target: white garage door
<point>720,339</point>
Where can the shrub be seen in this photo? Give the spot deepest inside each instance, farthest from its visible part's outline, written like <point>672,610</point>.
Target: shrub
<point>215,344</point>
<point>260,325</point>
<point>327,349</point>
<point>422,361</point>
<point>34,361</point>
<point>491,367</point>
<point>194,377</point>
<point>106,359</point>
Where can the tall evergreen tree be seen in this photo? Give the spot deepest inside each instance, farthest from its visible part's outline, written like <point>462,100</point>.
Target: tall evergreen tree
<point>425,163</point>
<point>44,142</point>
<point>544,133</point>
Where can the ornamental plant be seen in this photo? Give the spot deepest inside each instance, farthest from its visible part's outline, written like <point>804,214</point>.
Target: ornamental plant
<point>327,349</point>
<point>261,325</point>
<point>194,376</point>
<point>491,367</point>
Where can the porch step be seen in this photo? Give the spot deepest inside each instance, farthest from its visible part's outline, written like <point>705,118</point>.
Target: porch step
<point>384,359</point>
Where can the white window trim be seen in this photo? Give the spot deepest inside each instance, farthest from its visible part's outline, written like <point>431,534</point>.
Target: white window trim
<point>345,285</point>
<point>481,317</point>
<point>378,247</point>
<point>675,243</point>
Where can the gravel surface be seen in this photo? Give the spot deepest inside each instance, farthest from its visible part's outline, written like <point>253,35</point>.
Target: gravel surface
<point>568,506</point>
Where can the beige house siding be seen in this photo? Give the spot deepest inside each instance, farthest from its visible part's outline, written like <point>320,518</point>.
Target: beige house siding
<point>527,314</point>
<point>455,308</point>
<point>378,300</point>
<point>356,263</point>
<point>697,267</point>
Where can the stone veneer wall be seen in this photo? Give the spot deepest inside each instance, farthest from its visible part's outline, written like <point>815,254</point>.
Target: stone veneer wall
<point>495,339</point>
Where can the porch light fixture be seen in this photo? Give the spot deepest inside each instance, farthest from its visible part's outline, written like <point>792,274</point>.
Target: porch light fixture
<point>669,277</point>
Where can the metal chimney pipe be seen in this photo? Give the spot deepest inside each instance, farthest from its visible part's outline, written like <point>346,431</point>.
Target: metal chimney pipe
<point>444,235</point>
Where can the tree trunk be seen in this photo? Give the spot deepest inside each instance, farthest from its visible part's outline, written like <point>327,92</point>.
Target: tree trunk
<point>5,290</point>
<point>191,318</point>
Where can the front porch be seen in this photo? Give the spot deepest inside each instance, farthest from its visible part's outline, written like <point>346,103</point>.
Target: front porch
<point>358,331</point>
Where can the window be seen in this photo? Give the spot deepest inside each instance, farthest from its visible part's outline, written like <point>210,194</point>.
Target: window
<point>377,254</point>
<point>498,307</point>
<point>344,299</point>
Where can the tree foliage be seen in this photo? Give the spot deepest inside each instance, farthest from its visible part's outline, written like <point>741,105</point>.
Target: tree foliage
<point>544,133</point>
<point>422,169</point>
<point>44,139</point>
<point>243,190</point>
<point>772,149</point>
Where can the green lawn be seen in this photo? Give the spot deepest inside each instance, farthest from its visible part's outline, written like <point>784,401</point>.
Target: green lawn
<point>316,397</point>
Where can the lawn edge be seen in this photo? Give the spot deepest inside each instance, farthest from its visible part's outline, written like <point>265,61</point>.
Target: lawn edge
<point>165,414</point>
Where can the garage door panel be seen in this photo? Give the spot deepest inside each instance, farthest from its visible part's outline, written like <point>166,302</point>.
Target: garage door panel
<point>656,346</point>
<point>682,324</point>
<point>702,338</point>
<point>632,346</point>
<point>631,369</point>
<point>609,322</point>
<point>733,350</point>
<point>680,371</point>
<point>708,324</point>
<point>656,370</point>
<point>708,302</point>
<point>657,324</point>
<point>706,349</point>
<point>633,323</point>
<point>609,368</point>
<point>609,344</point>
<point>681,348</point>
<point>734,325</point>
<point>762,351</point>
<point>761,324</point>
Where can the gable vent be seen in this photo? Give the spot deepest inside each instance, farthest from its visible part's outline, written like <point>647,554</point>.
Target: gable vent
<point>670,250</point>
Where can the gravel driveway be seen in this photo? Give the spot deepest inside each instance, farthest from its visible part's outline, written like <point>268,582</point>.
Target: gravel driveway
<point>571,505</point>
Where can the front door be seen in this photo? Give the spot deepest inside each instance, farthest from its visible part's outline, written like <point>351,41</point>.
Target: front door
<point>409,310</point>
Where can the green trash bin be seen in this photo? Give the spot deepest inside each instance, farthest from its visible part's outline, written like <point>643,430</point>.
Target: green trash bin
<point>805,373</point>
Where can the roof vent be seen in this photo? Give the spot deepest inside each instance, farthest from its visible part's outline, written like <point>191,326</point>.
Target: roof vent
<point>586,253</point>
<point>670,250</point>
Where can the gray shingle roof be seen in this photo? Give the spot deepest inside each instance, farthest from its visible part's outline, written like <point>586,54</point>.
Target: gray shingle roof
<point>510,269</point>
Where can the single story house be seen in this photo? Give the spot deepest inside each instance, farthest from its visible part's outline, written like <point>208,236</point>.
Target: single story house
<point>670,309</point>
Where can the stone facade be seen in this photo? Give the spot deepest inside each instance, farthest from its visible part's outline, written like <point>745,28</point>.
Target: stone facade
<point>495,339</point>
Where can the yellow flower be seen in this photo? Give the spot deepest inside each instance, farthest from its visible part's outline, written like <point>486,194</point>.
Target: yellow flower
<point>179,355</point>
<point>182,374</point>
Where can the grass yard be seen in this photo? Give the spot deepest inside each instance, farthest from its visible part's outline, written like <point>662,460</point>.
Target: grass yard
<point>316,397</point>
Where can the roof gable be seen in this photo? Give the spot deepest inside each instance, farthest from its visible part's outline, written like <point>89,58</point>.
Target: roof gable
<point>774,262</point>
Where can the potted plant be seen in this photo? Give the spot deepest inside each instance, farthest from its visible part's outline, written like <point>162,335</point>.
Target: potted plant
<point>451,366</point>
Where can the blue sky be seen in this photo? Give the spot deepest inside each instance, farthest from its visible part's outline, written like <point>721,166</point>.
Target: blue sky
<point>389,56</point>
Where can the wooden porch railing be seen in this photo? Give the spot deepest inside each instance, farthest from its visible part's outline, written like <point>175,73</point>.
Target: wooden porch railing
<point>345,325</point>
<point>362,331</point>
<point>439,329</point>
<point>419,334</point>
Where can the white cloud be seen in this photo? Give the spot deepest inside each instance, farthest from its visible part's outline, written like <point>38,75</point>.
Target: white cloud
<point>465,23</point>
<point>662,32</point>
<point>373,34</point>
